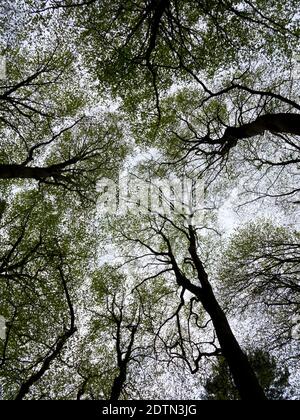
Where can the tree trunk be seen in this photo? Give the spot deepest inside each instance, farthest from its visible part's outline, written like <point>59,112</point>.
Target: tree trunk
<point>23,172</point>
<point>244,377</point>
<point>118,385</point>
<point>240,368</point>
<point>275,123</point>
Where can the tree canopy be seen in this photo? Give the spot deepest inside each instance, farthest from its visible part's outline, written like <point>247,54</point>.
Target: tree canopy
<point>149,199</point>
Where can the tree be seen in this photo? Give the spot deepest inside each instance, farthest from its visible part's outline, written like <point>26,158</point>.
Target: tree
<point>52,133</point>
<point>158,236</point>
<point>92,88</point>
<point>236,108</point>
<point>130,332</point>
<point>120,318</point>
<point>261,268</point>
<point>164,40</point>
<point>272,379</point>
<point>38,283</point>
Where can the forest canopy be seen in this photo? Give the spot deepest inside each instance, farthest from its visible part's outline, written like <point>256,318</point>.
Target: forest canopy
<point>149,200</point>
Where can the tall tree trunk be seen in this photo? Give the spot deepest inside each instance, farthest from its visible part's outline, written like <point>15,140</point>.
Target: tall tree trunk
<point>242,372</point>
<point>123,361</point>
<point>118,384</point>
<point>23,172</point>
<point>239,365</point>
<point>274,123</point>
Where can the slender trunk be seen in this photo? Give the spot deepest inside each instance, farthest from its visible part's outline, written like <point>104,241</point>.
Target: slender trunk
<point>118,385</point>
<point>36,377</point>
<point>55,351</point>
<point>120,379</point>
<point>242,372</point>
<point>239,365</point>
